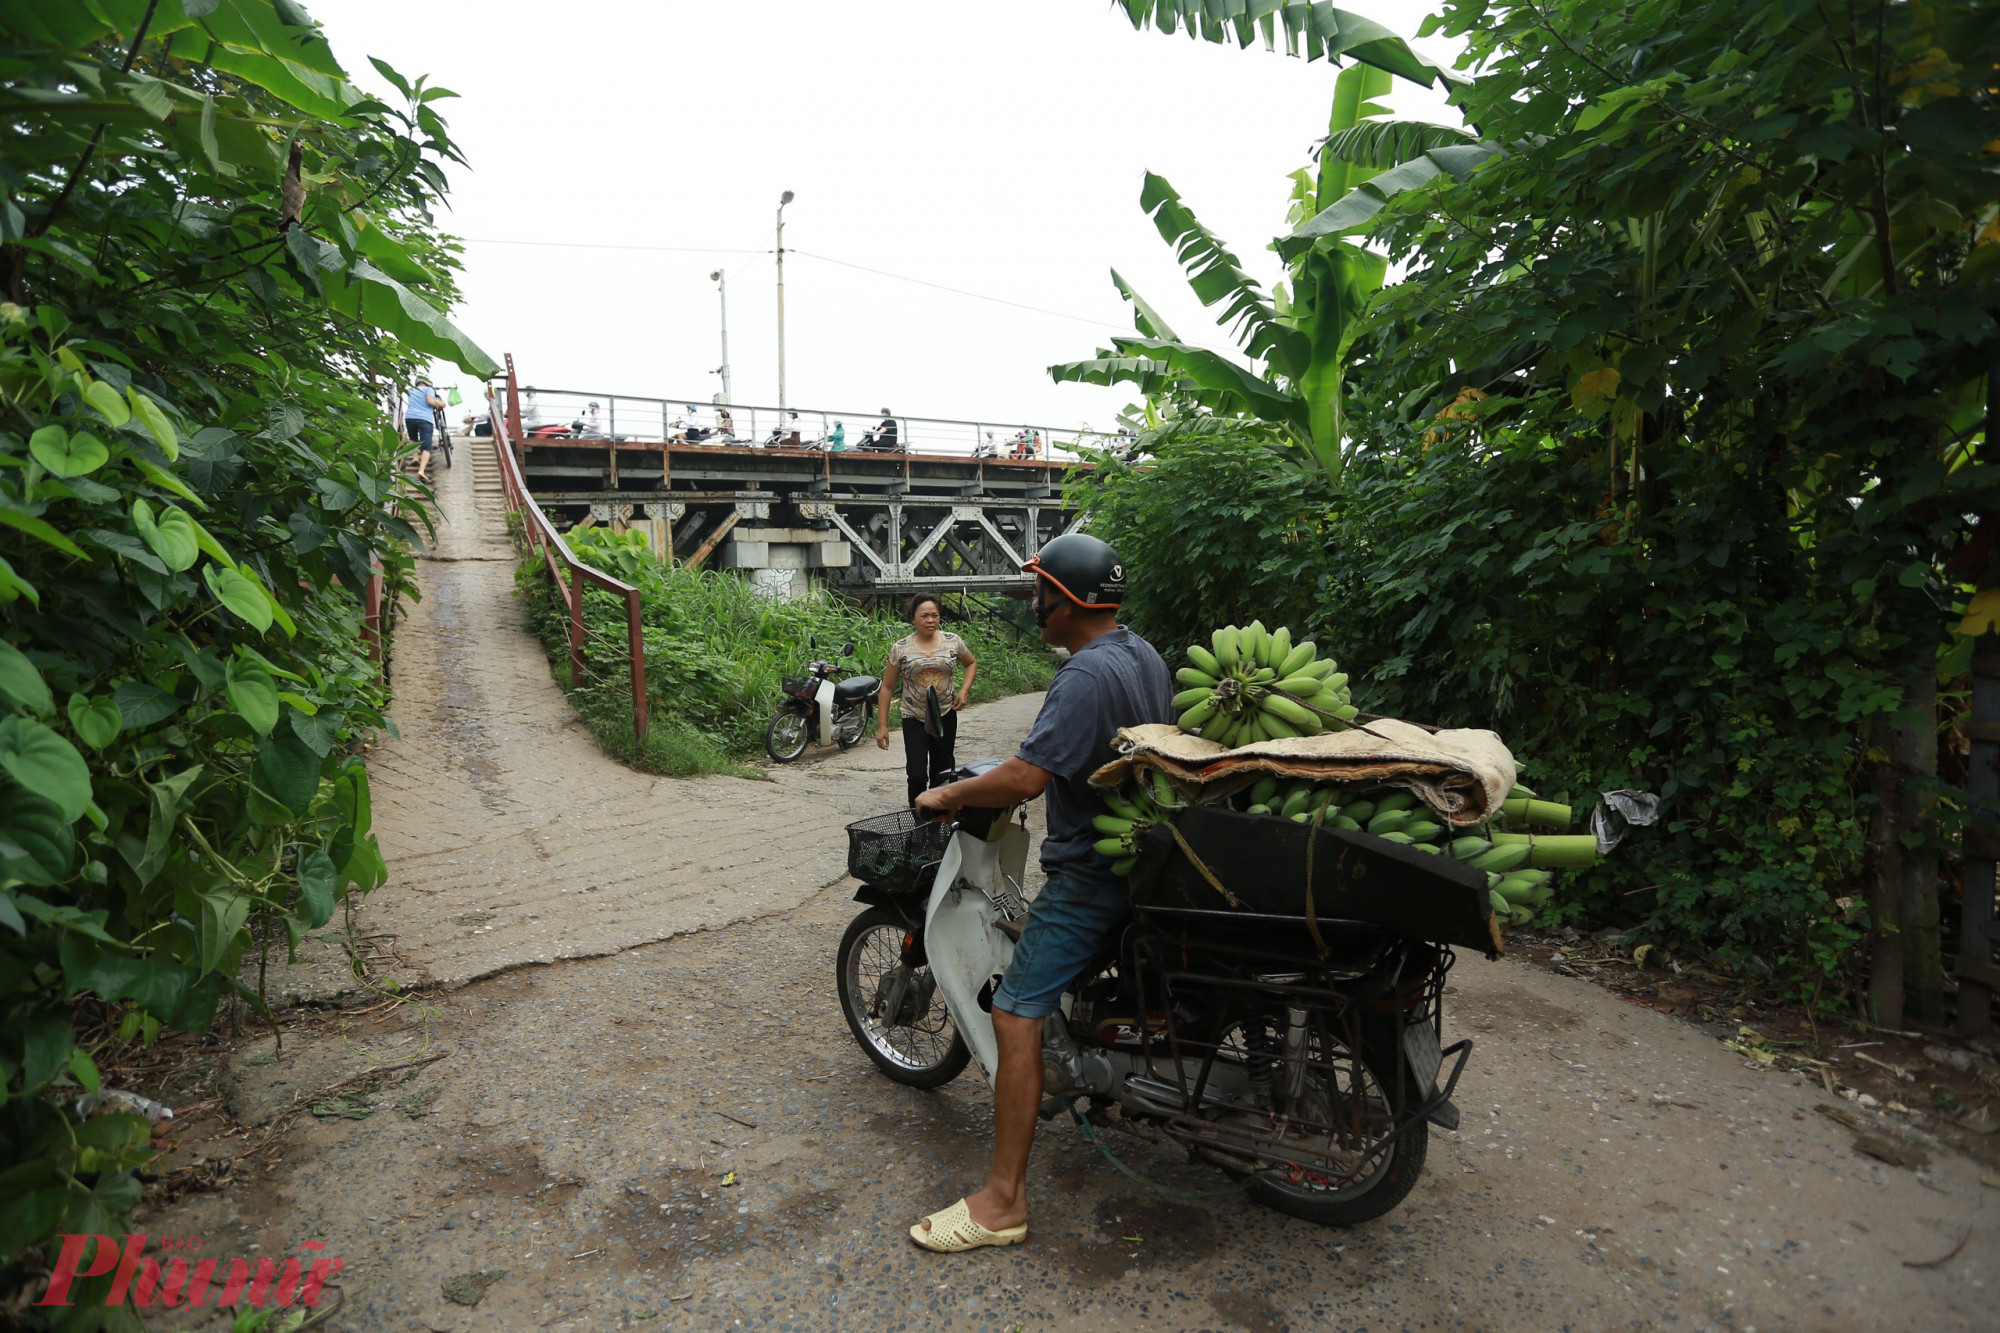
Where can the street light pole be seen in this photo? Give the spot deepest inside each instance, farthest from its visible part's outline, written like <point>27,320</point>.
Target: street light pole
<point>721,281</point>
<point>783,199</point>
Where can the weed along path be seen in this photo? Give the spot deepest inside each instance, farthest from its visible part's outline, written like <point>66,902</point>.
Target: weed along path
<point>623,1095</point>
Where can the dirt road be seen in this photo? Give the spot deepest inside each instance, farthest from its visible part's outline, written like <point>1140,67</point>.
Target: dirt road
<point>638,1104</point>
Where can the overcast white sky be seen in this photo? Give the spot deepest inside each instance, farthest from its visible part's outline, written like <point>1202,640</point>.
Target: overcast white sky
<point>997,148</point>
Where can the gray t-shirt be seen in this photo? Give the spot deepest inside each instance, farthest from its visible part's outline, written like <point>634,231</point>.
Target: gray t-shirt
<point>1116,680</point>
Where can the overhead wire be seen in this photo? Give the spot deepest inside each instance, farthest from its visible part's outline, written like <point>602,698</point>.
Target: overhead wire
<point>807,254</point>
<point>958,291</point>
<point>596,245</point>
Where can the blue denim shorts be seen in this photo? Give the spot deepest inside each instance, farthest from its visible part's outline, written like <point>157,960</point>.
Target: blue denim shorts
<point>1069,921</point>
<point>420,431</point>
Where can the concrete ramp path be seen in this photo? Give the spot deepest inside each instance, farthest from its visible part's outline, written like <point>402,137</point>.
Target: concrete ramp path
<point>512,838</point>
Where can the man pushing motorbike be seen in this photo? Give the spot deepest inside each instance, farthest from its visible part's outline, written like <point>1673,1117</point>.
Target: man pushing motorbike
<point>1112,679</point>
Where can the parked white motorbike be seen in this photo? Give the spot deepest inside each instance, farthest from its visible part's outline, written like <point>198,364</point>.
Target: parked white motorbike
<point>1311,1076</point>
<point>826,705</point>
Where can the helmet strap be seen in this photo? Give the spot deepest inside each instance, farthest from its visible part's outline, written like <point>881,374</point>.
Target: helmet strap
<point>1044,608</point>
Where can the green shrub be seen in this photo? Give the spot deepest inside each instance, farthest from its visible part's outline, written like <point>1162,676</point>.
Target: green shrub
<point>195,479</point>
<point>1218,533</point>
<point>716,650</point>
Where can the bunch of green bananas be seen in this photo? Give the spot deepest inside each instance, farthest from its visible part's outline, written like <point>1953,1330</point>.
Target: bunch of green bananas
<point>1256,685</point>
<point>1517,865</point>
<point>1516,894</point>
<point>1143,800</point>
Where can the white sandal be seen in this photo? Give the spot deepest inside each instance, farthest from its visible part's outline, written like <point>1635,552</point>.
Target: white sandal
<point>953,1231</point>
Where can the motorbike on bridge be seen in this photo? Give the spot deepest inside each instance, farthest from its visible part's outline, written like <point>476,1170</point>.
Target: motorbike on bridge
<point>1296,1051</point>
<point>826,703</point>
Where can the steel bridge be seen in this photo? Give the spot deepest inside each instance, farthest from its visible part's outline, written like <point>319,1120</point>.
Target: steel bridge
<point>791,517</point>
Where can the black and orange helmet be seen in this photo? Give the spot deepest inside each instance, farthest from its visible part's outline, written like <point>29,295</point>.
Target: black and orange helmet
<point>1083,569</point>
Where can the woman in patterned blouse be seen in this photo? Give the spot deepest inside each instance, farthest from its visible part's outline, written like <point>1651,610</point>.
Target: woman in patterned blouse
<point>924,662</point>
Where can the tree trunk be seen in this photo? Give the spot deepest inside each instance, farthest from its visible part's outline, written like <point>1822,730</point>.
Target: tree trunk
<point>1916,764</point>
<point>1885,882</point>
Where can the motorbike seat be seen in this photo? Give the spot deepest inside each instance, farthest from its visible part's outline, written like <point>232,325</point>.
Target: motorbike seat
<point>855,688</point>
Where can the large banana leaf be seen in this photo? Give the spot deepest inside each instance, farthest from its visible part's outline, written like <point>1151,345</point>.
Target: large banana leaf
<point>1217,278</point>
<point>1311,28</point>
<point>1354,106</point>
<point>1353,210</point>
<point>1154,365</point>
<point>1381,144</point>
<point>1334,287</point>
<point>1107,369</point>
<point>1148,319</point>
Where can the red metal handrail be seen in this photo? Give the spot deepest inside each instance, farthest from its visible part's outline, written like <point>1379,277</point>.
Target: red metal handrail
<point>566,572</point>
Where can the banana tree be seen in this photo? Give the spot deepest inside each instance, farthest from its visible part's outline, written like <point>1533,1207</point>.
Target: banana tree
<point>1301,338</point>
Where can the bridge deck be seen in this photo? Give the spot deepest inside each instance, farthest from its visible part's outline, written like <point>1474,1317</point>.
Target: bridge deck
<point>864,521</point>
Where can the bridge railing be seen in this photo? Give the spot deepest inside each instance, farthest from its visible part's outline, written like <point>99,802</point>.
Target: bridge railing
<point>622,416</point>
<point>568,576</point>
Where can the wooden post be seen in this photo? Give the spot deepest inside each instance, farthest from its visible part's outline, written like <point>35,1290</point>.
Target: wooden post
<point>1885,881</point>
<point>1979,930</point>
<point>1916,757</point>
<point>637,644</point>
<point>371,616</point>
<point>514,409</point>
<point>575,628</point>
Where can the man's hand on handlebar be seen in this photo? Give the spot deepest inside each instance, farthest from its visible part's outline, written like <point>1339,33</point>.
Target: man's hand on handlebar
<point>1011,783</point>
<point>935,804</point>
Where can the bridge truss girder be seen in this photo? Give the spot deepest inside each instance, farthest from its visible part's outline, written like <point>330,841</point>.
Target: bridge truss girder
<point>913,543</point>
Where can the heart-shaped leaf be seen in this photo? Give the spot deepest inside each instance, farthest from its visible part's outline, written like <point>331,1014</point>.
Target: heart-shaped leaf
<point>95,721</point>
<point>36,845</point>
<point>254,695</point>
<point>317,732</point>
<point>107,402</point>
<point>23,684</point>
<point>155,421</point>
<point>221,916</point>
<point>248,601</point>
<point>141,705</point>
<point>44,762</point>
<point>172,535</point>
<point>67,455</point>
<point>287,771</point>
<point>318,880</point>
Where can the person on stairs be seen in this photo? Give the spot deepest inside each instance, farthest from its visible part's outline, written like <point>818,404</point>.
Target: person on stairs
<point>420,411</point>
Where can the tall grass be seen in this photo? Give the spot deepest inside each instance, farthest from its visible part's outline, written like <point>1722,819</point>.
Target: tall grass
<point>716,650</point>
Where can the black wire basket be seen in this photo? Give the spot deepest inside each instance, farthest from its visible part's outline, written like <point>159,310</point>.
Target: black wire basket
<point>798,687</point>
<point>896,851</point>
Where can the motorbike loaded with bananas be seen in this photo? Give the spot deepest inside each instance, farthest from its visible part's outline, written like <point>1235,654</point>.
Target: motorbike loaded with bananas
<point>1300,877</point>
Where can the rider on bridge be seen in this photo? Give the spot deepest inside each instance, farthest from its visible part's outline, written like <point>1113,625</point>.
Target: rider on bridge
<point>1113,679</point>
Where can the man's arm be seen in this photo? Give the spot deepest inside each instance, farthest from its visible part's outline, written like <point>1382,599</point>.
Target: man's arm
<point>1015,781</point>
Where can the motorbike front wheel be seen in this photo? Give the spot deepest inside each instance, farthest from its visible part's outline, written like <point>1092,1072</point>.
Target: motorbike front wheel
<point>850,726</point>
<point>893,1006</point>
<point>785,739</point>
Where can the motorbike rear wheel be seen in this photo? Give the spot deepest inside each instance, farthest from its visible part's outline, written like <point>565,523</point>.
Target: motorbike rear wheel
<point>785,739</point>
<point>851,725</point>
<point>894,1008</point>
<point>1389,1179</point>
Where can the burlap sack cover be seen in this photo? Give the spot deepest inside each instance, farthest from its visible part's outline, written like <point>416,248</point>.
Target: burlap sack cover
<point>1463,775</point>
